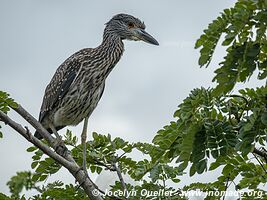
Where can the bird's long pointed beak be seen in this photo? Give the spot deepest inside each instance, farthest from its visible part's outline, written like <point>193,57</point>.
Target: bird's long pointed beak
<point>143,35</point>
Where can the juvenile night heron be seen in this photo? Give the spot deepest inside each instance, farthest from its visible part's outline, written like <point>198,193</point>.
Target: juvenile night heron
<point>78,84</point>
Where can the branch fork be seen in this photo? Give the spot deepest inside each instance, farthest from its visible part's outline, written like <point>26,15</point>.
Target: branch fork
<point>66,160</point>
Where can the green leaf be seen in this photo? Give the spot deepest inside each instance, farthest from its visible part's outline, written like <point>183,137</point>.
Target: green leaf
<point>182,166</point>
<point>4,197</point>
<point>219,161</point>
<point>155,173</point>
<point>42,177</point>
<point>98,170</point>
<point>187,143</point>
<point>227,169</point>
<point>192,170</point>
<point>176,180</point>
<point>31,149</point>
<point>215,153</point>
<point>18,182</point>
<point>35,177</point>
<point>34,164</point>
<point>264,118</point>
<point>201,166</point>
<point>203,60</point>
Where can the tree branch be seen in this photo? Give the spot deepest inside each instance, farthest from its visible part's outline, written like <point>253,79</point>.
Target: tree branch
<point>118,170</point>
<point>67,160</point>
<point>97,162</point>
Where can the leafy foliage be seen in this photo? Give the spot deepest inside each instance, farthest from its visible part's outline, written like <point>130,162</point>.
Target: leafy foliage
<point>5,103</point>
<point>19,181</point>
<point>103,154</point>
<point>4,197</point>
<point>55,190</point>
<point>211,123</point>
<point>244,30</point>
<point>43,167</point>
<point>58,190</point>
<point>226,128</point>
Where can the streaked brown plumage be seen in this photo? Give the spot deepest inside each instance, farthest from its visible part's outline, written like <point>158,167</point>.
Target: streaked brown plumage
<point>78,84</point>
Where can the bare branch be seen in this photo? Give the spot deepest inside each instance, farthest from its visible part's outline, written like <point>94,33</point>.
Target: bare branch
<point>97,162</point>
<point>67,161</point>
<point>29,118</point>
<point>118,170</point>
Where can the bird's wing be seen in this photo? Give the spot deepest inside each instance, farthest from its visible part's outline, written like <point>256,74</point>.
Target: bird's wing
<point>59,85</point>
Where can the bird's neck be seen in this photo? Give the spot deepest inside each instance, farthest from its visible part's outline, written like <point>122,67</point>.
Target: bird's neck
<point>110,52</point>
<point>112,44</point>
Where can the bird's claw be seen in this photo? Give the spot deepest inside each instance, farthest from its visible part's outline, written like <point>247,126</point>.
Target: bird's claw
<point>60,147</point>
<point>28,132</point>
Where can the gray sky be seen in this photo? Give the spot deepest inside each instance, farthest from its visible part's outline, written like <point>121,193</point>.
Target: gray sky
<point>143,90</point>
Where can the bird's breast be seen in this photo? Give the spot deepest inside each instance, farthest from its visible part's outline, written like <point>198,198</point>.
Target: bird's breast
<point>78,104</point>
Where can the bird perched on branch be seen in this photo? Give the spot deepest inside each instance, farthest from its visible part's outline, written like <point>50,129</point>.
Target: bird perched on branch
<point>78,84</point>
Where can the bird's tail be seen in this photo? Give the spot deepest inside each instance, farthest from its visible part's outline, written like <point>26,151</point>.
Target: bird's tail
<point>39,136</point>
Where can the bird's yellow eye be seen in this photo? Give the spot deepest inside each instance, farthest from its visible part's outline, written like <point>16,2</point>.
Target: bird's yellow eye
<point>130,25</point>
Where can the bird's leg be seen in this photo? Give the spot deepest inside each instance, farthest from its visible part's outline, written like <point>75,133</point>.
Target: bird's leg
<point>83,139</point>
<point>61,149</point>
<point>55,132</point>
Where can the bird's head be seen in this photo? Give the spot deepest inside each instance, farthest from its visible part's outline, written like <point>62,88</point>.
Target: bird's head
<point>130,28</point>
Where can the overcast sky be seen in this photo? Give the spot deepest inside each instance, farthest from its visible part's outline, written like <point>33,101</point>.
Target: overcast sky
<point>143,90</point>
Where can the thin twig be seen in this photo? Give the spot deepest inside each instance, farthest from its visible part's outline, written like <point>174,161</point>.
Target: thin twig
<point>121,155</point>
<point>97,162</point>
<point>260,163</point>
<point>236,95</point>
<point>118,170</point>
<point>260,153</point>
<point>226,186</point>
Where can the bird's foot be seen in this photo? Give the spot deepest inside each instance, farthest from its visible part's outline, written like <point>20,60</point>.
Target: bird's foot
<point>60,147</point>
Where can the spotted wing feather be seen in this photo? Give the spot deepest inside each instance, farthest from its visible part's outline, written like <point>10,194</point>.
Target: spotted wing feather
<point>59,86</point>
